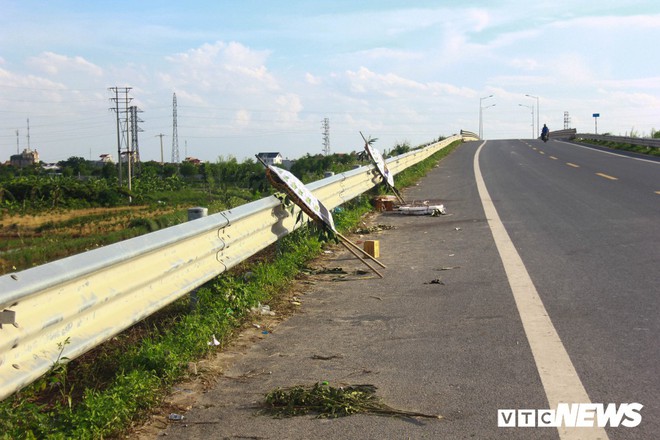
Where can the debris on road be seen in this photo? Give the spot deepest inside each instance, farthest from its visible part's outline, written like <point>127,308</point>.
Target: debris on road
<point>375,228</point>
<point>327,401</point>
<point>436,281</point>
<point>262,310</point>
<point>432,210</point>
<point>321,357</point>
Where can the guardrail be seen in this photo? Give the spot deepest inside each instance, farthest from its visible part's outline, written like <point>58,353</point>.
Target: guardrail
<point>469,136</point>
<point>647,142</point>
<point>568,133</point>
<point>88,298</point>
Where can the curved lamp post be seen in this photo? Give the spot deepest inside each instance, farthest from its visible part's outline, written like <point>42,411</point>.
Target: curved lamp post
<point>481,119</point>
<point>538,124</point>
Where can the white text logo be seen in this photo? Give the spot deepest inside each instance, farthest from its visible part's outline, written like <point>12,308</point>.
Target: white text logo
<point>573,415</point>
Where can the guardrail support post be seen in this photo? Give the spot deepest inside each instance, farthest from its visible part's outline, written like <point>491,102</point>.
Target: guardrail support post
<point>7,317</point>
<point>194,214</point>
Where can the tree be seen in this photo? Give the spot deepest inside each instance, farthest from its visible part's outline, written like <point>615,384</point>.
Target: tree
<point>188,169</point>
<point>75,166</point>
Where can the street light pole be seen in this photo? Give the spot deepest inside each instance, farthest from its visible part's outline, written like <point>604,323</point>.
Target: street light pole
<point>481,112</point>
<point>538,114</point>
<point>531,107</point>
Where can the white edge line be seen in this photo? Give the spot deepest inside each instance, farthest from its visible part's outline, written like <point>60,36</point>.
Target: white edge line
<point>610,152</point>
<point>558,376</point>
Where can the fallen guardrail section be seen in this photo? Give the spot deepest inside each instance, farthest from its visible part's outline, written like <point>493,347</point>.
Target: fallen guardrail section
<point>67,307</point>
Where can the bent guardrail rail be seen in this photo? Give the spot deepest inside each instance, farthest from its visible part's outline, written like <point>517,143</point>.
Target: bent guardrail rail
<point>88,298</point>
<point>646,142</point>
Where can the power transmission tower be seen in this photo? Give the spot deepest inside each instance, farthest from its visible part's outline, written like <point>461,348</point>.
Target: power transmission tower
<point>326,136</point>
<point>567,121</point>
<point>122,133</point>
<point>175,134</point>
<point>134,152</point>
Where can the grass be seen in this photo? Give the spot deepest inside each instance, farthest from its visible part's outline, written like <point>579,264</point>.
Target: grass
<point>102,393</point>
<point>640,149</point>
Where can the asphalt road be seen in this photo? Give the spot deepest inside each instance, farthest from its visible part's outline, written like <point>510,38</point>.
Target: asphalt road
<point>591,246</point>
<point>587,225</point>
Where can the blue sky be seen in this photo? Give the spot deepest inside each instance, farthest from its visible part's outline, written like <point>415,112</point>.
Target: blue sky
<point>256,76</point>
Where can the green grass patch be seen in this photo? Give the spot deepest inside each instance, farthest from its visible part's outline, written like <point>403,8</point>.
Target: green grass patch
<point>640,149</point>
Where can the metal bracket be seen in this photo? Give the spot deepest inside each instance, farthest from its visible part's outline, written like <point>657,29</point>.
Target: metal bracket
<point>7,317</point>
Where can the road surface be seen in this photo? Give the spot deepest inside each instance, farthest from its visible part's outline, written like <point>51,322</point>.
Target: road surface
<point>551,296</point>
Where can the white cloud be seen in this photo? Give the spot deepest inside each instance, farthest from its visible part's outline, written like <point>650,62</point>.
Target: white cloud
<point>54,64</point>
<point>313,80</point>
<point>230,67</point>
<point>242,118</point>
<point>528,64</point>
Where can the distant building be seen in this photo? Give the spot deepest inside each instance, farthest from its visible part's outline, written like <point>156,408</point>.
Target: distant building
<point>105,158</point>
<point>27,158</point>
<point>271,158</point>
<point>193,160</point>
<point>51,167</point>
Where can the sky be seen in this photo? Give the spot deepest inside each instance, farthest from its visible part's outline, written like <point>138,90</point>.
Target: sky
<point>261,76</point>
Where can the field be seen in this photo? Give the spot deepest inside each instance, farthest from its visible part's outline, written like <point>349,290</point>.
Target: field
<point>29,240</point>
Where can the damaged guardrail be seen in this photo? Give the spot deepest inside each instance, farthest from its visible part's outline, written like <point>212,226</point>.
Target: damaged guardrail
<point>67,307</point>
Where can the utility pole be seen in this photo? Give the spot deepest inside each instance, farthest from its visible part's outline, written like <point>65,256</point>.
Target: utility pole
<point>160,135</point>
<point>17,152</point>
<point>28,133</point>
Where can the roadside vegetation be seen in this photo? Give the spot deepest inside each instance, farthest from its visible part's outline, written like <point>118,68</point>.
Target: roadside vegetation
<point>115,386</point>
<point>640,149</point>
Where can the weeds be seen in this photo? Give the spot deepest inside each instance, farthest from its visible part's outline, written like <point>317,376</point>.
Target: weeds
<point>331,402</point>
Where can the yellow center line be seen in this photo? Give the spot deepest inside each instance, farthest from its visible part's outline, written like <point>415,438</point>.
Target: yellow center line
<point>607,176</point>
<point>572,165</point>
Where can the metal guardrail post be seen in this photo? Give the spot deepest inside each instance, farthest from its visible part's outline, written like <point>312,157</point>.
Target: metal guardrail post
<point>194,214</point>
